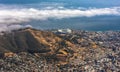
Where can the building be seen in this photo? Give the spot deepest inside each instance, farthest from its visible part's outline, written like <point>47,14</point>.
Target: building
<point>62,31</point>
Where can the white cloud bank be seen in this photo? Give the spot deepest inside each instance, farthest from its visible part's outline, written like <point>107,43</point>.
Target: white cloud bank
<point>8,28</point>
<point>10,16</point>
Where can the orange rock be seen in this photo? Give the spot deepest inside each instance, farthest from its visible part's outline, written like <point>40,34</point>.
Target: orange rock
<point>95,46</point>
<point>69,44</point>
<point>9,54</point>
<point>64,52</point>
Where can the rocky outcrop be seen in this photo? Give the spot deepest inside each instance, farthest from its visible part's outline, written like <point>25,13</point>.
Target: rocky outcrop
<point>34,41</point>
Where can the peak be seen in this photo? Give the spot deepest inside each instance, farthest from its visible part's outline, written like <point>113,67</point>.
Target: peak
<point>25,29</point>
<point>34,41</point>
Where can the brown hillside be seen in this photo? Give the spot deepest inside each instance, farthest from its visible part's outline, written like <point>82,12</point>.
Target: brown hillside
<point>34,41</point>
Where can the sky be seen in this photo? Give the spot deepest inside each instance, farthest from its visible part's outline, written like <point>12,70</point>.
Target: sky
<point>72,2</point>
<point>22,11</point>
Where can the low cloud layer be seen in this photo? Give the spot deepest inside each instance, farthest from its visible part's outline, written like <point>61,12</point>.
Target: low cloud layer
<point>9,28</point>
<point>10,16</point>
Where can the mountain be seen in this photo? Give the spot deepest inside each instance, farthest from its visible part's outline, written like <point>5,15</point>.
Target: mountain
<point>34,41</point>
<point>50,45</point>
<point>35,50</point>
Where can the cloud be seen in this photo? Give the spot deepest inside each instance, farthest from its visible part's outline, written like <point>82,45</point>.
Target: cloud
<point>9,28</point>
<point>19,15</point>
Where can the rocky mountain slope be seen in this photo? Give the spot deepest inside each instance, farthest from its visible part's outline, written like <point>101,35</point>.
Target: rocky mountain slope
<point>34,41</point>
<point>80,51</point>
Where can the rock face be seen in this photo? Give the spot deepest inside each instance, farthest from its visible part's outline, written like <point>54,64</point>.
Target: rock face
<point>33,50</point>
<point>33,41</point>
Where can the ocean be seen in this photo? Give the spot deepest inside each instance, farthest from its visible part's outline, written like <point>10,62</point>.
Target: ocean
<point>88,15</point>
